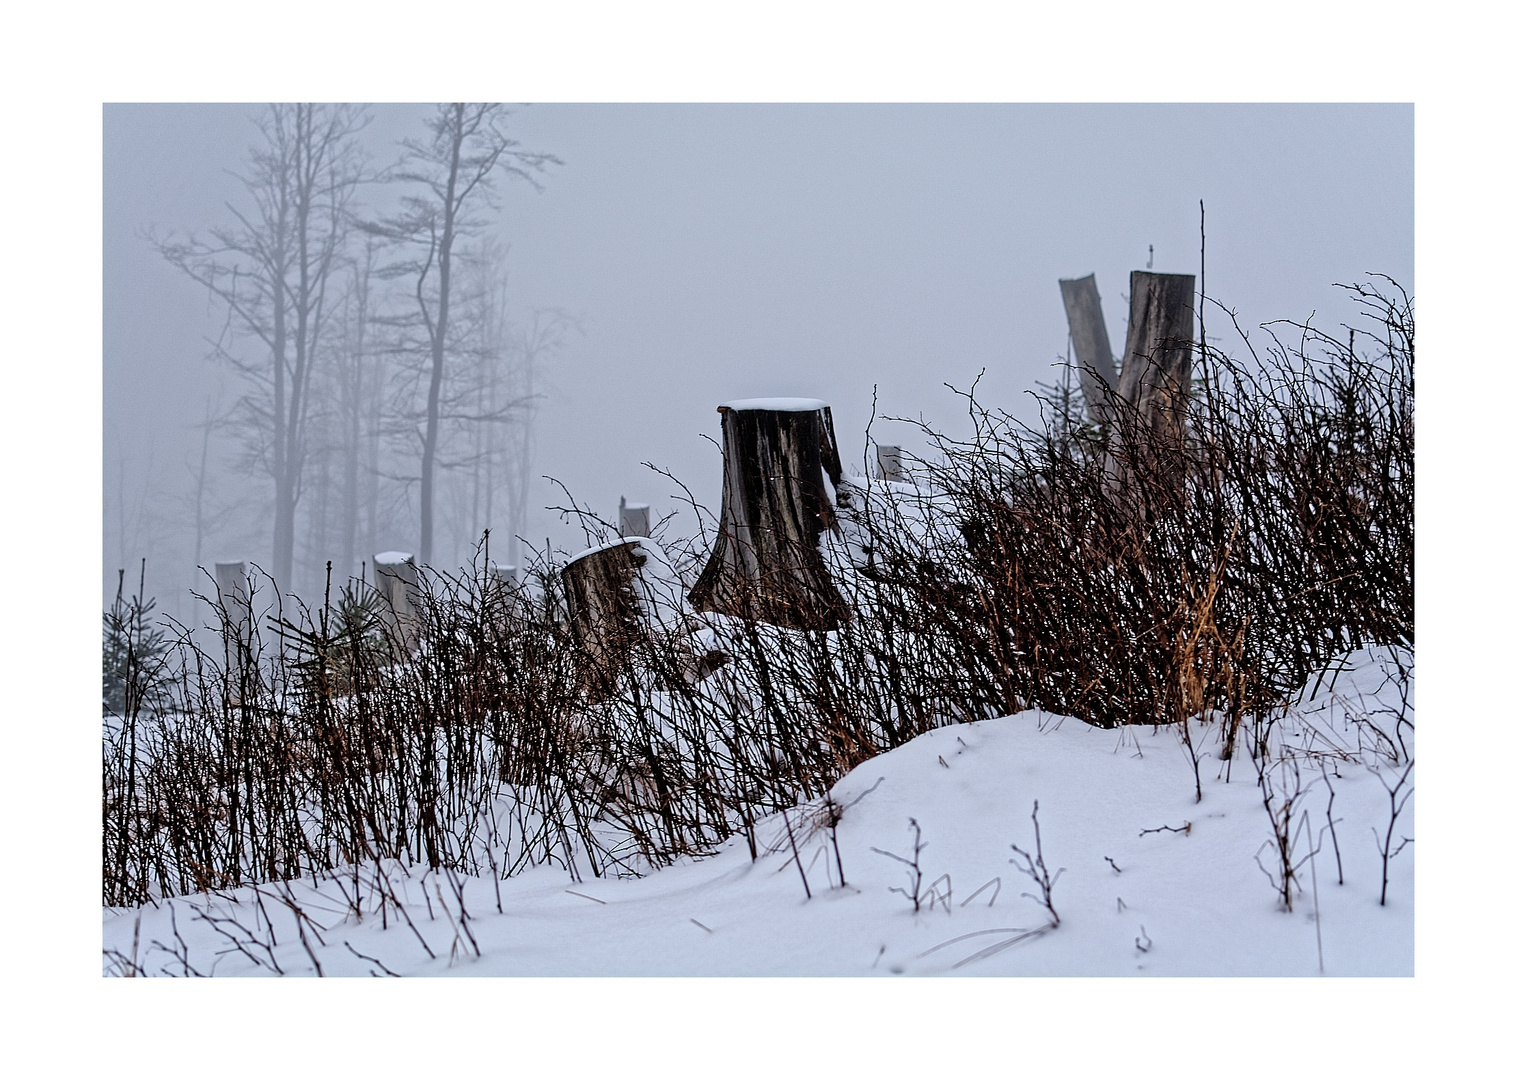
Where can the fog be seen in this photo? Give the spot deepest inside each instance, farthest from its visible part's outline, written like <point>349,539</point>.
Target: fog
<point>682,256</point>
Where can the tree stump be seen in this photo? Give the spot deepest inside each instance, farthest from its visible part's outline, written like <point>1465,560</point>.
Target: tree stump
<point>1087,329</point>
<point>1155,381</point>
<point>235,598</point>
<point>505,592</point>
<point>767,560</point>
<point>891,468</point>
<point>623,595</point>
<point>235,603</point>
<point>636,519</point>
<point>399,585</point>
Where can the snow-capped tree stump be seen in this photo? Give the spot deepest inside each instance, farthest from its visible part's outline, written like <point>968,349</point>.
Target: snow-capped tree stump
<point>1087,329</point>
<point>234,598</point>
<point>767,561</point>
<point>504,587</point>
<point>614,606</point>
<point>888,458</point>
<point>505,577</point>
<point>636,519</point>
<point>233,595</point>
<point>1155,381</point>
<point>398,584</point>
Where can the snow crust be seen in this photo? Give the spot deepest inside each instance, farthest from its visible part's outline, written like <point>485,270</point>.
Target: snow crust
<point>775,404</point>
<point>620,542</point>
<point>392,558</point>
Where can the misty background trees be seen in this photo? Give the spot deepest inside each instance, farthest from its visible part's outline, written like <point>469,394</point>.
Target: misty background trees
<point>379,391</point>
<point>706,253</point>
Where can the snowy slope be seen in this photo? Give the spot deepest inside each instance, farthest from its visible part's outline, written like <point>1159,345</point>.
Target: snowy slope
<point>1153,883</point>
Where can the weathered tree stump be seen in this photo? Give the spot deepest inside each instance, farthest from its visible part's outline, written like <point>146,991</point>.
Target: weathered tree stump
<point>767,560</point>
<point>1087,329</point>
<point>891,468</point>
<point>396,579</point>
<point>505,591</point>
<point>235,598</point>
<point>1155,381</point>
<point>505,577</point>
<point>623,595</point>
<point>636,519</point>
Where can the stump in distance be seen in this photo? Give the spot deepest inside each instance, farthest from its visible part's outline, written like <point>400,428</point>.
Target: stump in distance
<point>767,560</point>
<point>397,582</point>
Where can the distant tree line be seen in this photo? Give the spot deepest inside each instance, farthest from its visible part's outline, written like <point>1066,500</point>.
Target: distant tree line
<point>381,381</point>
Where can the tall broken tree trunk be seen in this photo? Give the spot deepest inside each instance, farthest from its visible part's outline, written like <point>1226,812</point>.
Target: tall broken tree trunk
<point>767,561</point>
<point>1149,445</point>
<point>1087,329</point>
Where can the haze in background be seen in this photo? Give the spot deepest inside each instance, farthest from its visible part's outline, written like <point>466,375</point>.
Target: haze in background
<point>707,253</point>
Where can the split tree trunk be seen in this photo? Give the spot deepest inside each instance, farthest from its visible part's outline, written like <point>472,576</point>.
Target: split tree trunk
<point>1155,380</point>
<point>767,561</point>
<point>1087,329</point>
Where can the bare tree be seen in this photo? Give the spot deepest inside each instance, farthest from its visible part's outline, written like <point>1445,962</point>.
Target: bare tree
<point>271,270</point>
<point>204,510</point>
<point>359,396</point>
<point>452,171</point>
<point>488,406</point>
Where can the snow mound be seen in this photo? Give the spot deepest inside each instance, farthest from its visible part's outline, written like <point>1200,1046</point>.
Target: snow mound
<point>1146,881</point>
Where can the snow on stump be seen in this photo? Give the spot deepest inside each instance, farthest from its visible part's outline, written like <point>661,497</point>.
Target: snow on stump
<point>505,577</point>
<point>504,586</point>
<point>767,560</point>
<point>1087,329</point>
<point>396,579</point>
<point>621,596</point>
<point>636,519</point>
<point>236,604</point>
<point>1155,382</point>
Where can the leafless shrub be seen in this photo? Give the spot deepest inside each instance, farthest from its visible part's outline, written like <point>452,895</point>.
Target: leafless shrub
<point>1283,793</point>
<point>1034,867</point>
<point>1400,794</point>
<point>913,865</point>
<point>1008,573</point>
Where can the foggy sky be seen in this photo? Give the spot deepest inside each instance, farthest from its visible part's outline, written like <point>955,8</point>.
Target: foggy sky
<point>718,252</point>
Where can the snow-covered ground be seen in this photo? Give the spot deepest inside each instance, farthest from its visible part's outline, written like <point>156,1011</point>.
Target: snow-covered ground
<point>1148,881</point>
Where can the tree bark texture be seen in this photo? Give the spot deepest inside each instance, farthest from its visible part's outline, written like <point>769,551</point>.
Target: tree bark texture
<point>1087,329</point>
<point>767,561</point>
<point>1155,380</point>
<point>604,613</point>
